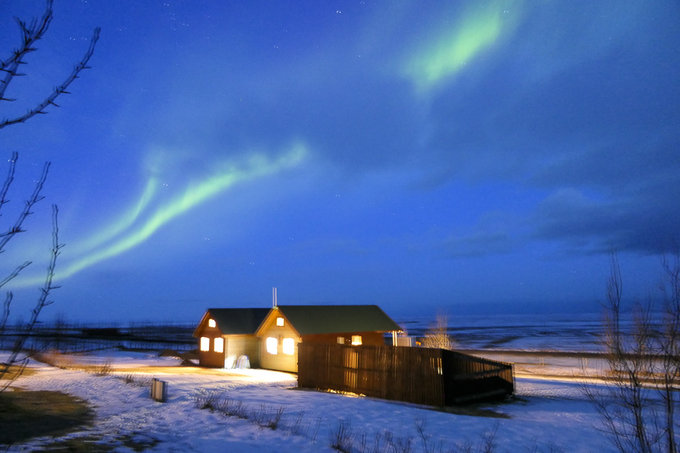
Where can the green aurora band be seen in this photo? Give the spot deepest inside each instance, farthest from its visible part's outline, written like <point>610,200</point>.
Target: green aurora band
<point>256,166</point>
<point>455,48</point>
<point>121,225</point>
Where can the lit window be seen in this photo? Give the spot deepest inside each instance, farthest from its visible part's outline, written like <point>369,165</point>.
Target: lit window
<point>219,344</point>
<point>272,345</point>
<point>205,344</point>
<point>279,321</point>
<point>212,323</point>
<point>341,340</point>
<point>288,346</point>
<point>356,340</point>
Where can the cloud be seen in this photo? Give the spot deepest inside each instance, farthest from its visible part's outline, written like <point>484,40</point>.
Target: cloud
<point>645,222</point>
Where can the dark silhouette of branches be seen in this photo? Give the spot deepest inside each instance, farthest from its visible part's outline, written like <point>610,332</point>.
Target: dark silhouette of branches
<point>17,227</point>
<point>10,70</point>
<point>8,181</point>
<point>31,33</point>
<point>638,405</point>
<point>36,196</point>
<point>5,310</point>
<point>14,273</point>
<point>43,300</point>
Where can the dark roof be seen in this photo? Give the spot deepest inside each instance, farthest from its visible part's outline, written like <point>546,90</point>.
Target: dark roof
<point>319,319</point>
<point>237,321</point>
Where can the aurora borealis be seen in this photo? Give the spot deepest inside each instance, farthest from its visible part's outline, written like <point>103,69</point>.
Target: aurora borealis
<point>457,156</point>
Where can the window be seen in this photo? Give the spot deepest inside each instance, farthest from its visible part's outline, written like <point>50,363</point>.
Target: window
<point>288,346</point>
<point>205,344</point>
<point>219,344</point>
<point>272,345</point>
<point>279,321</point>
<point>341,340</point>
<point>212,323</point>
<point>356,340</point>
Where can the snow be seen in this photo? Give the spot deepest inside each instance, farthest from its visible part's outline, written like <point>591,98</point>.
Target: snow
<point>546,415</point>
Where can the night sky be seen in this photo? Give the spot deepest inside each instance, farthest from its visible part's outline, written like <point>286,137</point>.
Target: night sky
<point>466,157</point>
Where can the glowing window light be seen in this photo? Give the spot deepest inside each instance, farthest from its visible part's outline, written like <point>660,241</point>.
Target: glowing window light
<point>205,344</point>
<point>219,344</point>
<point>272,345</point>
<point>356,340</point>
<point>212,323</point>
<point>288,346</point>
<point>341,340</point>
<point>279,321</point>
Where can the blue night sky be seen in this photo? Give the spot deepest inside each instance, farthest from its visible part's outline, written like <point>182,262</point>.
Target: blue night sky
<point>469,157</point>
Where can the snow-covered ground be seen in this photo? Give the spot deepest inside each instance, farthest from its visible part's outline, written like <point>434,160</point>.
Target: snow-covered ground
<point>546,415</point>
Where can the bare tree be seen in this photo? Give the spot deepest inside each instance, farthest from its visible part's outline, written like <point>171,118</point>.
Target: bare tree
<point>437,336</point>
<point>638,403</point>
<point>10,70</point>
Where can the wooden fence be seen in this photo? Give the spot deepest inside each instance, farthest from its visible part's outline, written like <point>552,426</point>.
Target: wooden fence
<point>418,375</point>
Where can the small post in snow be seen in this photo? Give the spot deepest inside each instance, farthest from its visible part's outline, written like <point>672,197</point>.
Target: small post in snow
<point>159,390</point>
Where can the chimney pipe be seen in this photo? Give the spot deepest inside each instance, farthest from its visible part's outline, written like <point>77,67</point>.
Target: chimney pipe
<point>274,301</point>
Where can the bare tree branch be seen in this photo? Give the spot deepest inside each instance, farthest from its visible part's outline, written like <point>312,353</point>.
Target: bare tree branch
<point>35,198</point>
<point>9,70</point>
<point>31,34</point>
<point>42,302</point>
<point>5,310</point>
<point>9,179</point>
<point>14,273</point>
<point>643,361</point>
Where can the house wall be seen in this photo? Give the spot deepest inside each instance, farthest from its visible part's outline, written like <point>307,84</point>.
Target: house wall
<point>210,358</point>
<point>278,361</point>
<point>238,345</point>
<point>367,338</point>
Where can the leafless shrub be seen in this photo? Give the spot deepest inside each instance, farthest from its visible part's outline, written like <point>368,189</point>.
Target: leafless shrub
<point>275,418</point>
<point>129,378</point>
<point>437,336</point>
<point>104,369</point>
<point>268,418</point>
<point>342,437</point>
<point>55,359</point>
<point>643,360</point>
<point>137,381</point>
<point>296,427</point>
<point>234,408</point>
<point>208,400</point>
<point>314,430</point>
<point>424,438</point>
<point>398,444</point>
<point>488,444</point>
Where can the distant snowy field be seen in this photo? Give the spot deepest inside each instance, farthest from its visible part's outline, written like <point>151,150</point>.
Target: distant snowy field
<point>545,416</point>
<point>579,332</point>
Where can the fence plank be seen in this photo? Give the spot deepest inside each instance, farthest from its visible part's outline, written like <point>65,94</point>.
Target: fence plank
<point>417,375</point>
